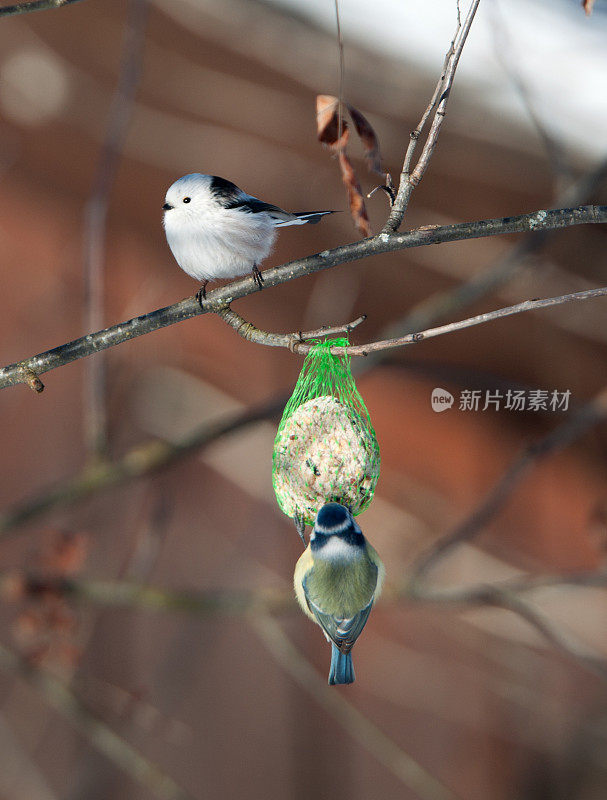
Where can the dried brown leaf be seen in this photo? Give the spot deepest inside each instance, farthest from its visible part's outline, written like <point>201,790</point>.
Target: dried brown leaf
<point>328,123</point>
<point>358,210</point>
<point>587,6</point>
<point>368,138</point>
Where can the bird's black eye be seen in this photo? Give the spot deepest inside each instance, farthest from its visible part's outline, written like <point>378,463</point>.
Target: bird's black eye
<point>187,199</point>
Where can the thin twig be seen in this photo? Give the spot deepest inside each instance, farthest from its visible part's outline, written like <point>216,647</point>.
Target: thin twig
<point>132,594</point>
<point>441,109</point>
<point>253,334</point>
<point>555,635</point>
<point>503,597</point>
<point>325,330</point>
<point>128,593</point>
<point>290,340</point>
<point>411,179</point>
<point>357,725</point>
<point>444,304</point>
<point>220,298</point>
<point>573,428</point>
<point>262,603</point>
<point>95,217</point>
<point>477,592</point>
<point>98,733</point>
<point>35,5</point>
<point>140,461</point>
<point>340,77</point>
<point>415,134</point>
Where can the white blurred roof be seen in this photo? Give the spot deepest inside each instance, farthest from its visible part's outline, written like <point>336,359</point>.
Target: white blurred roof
<point>559,54</point>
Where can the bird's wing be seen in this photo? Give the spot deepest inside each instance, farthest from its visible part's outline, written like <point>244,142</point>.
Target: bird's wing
<point>282,218</point>
<point>254,206</point>
<point>343,631</point>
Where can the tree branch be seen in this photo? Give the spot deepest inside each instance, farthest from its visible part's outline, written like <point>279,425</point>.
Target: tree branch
<point>253,334</point>
<point>476,593</point>
<point>575,426</point>
<point>440,306</point>
<point>92,727</point>
<point>290,340</point>
<point>356,724</point>
<point>258,603</point>
<point>130,594</point>
<point>409,180</point>
<point>95,218</point>
<point>504,597</point>
<point>137,462</point>
<point>21,372</point>
<point>36,5</point>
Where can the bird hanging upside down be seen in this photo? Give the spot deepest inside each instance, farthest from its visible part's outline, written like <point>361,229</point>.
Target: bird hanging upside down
<point>337,579</point>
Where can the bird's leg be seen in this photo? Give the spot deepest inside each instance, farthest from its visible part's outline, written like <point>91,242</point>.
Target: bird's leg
<point>201,294</point>
<point>300,527</point>
<point>257,276</point>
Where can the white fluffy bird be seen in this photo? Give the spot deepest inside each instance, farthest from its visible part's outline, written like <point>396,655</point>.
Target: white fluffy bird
<point>215,230</point>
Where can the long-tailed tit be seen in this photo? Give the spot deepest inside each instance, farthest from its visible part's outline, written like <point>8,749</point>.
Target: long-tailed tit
<point>337,579</point>
<point>215,230</point>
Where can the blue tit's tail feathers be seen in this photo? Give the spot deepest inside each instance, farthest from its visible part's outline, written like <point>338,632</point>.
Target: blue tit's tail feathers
<point>342,669</point>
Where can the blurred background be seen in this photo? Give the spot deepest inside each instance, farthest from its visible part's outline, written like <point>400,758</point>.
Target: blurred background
<point>103,105</point>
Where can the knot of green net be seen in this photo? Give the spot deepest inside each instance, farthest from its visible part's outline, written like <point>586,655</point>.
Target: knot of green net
<point>325,448</point>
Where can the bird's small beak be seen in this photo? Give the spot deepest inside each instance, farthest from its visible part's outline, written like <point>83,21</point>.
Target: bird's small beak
<point>167,206</point>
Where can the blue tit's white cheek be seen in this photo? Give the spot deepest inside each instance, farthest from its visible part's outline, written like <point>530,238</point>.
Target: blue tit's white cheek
<point>336,549</point>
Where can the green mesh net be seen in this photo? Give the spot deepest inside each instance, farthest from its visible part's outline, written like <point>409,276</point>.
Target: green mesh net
<point>325,449</point>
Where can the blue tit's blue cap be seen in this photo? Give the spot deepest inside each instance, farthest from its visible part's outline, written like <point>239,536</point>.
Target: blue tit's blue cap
<point>335,520</point>
<point>332,519</point>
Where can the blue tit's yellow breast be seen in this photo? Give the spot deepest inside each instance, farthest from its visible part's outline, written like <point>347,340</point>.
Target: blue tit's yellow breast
<point>341,588</point>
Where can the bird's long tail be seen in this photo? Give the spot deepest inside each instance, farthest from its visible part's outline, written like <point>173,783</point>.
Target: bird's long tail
<point>303,217</point>
<point>342,669</point>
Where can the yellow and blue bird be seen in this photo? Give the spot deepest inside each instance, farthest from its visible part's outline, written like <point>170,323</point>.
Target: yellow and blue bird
<point>337,579</point>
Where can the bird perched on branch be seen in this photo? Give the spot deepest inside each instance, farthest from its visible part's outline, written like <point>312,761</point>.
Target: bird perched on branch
<point>215,230</point>
<point>337,579</point>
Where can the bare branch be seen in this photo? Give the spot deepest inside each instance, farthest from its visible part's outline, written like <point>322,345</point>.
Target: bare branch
<point>356,724</point>
<point>136,463</point>
<point>573,428</point>
<point>290,340</point>
<point>531,583</point>
<point>129,594</point>
<point>409,180</point>
<point>95,216</point>
<point>443,304</point>
<point>555,635</point>
<point>253,334</point>
<point>93,728</point>
<point>218,299</point>
<point>595,579</point>
<point>36,5</point>
<point>259,604</point>
<point>500,597</point>
<point>340,77</point>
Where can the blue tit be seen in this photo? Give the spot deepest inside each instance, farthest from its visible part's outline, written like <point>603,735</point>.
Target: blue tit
<point>337,579</point>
